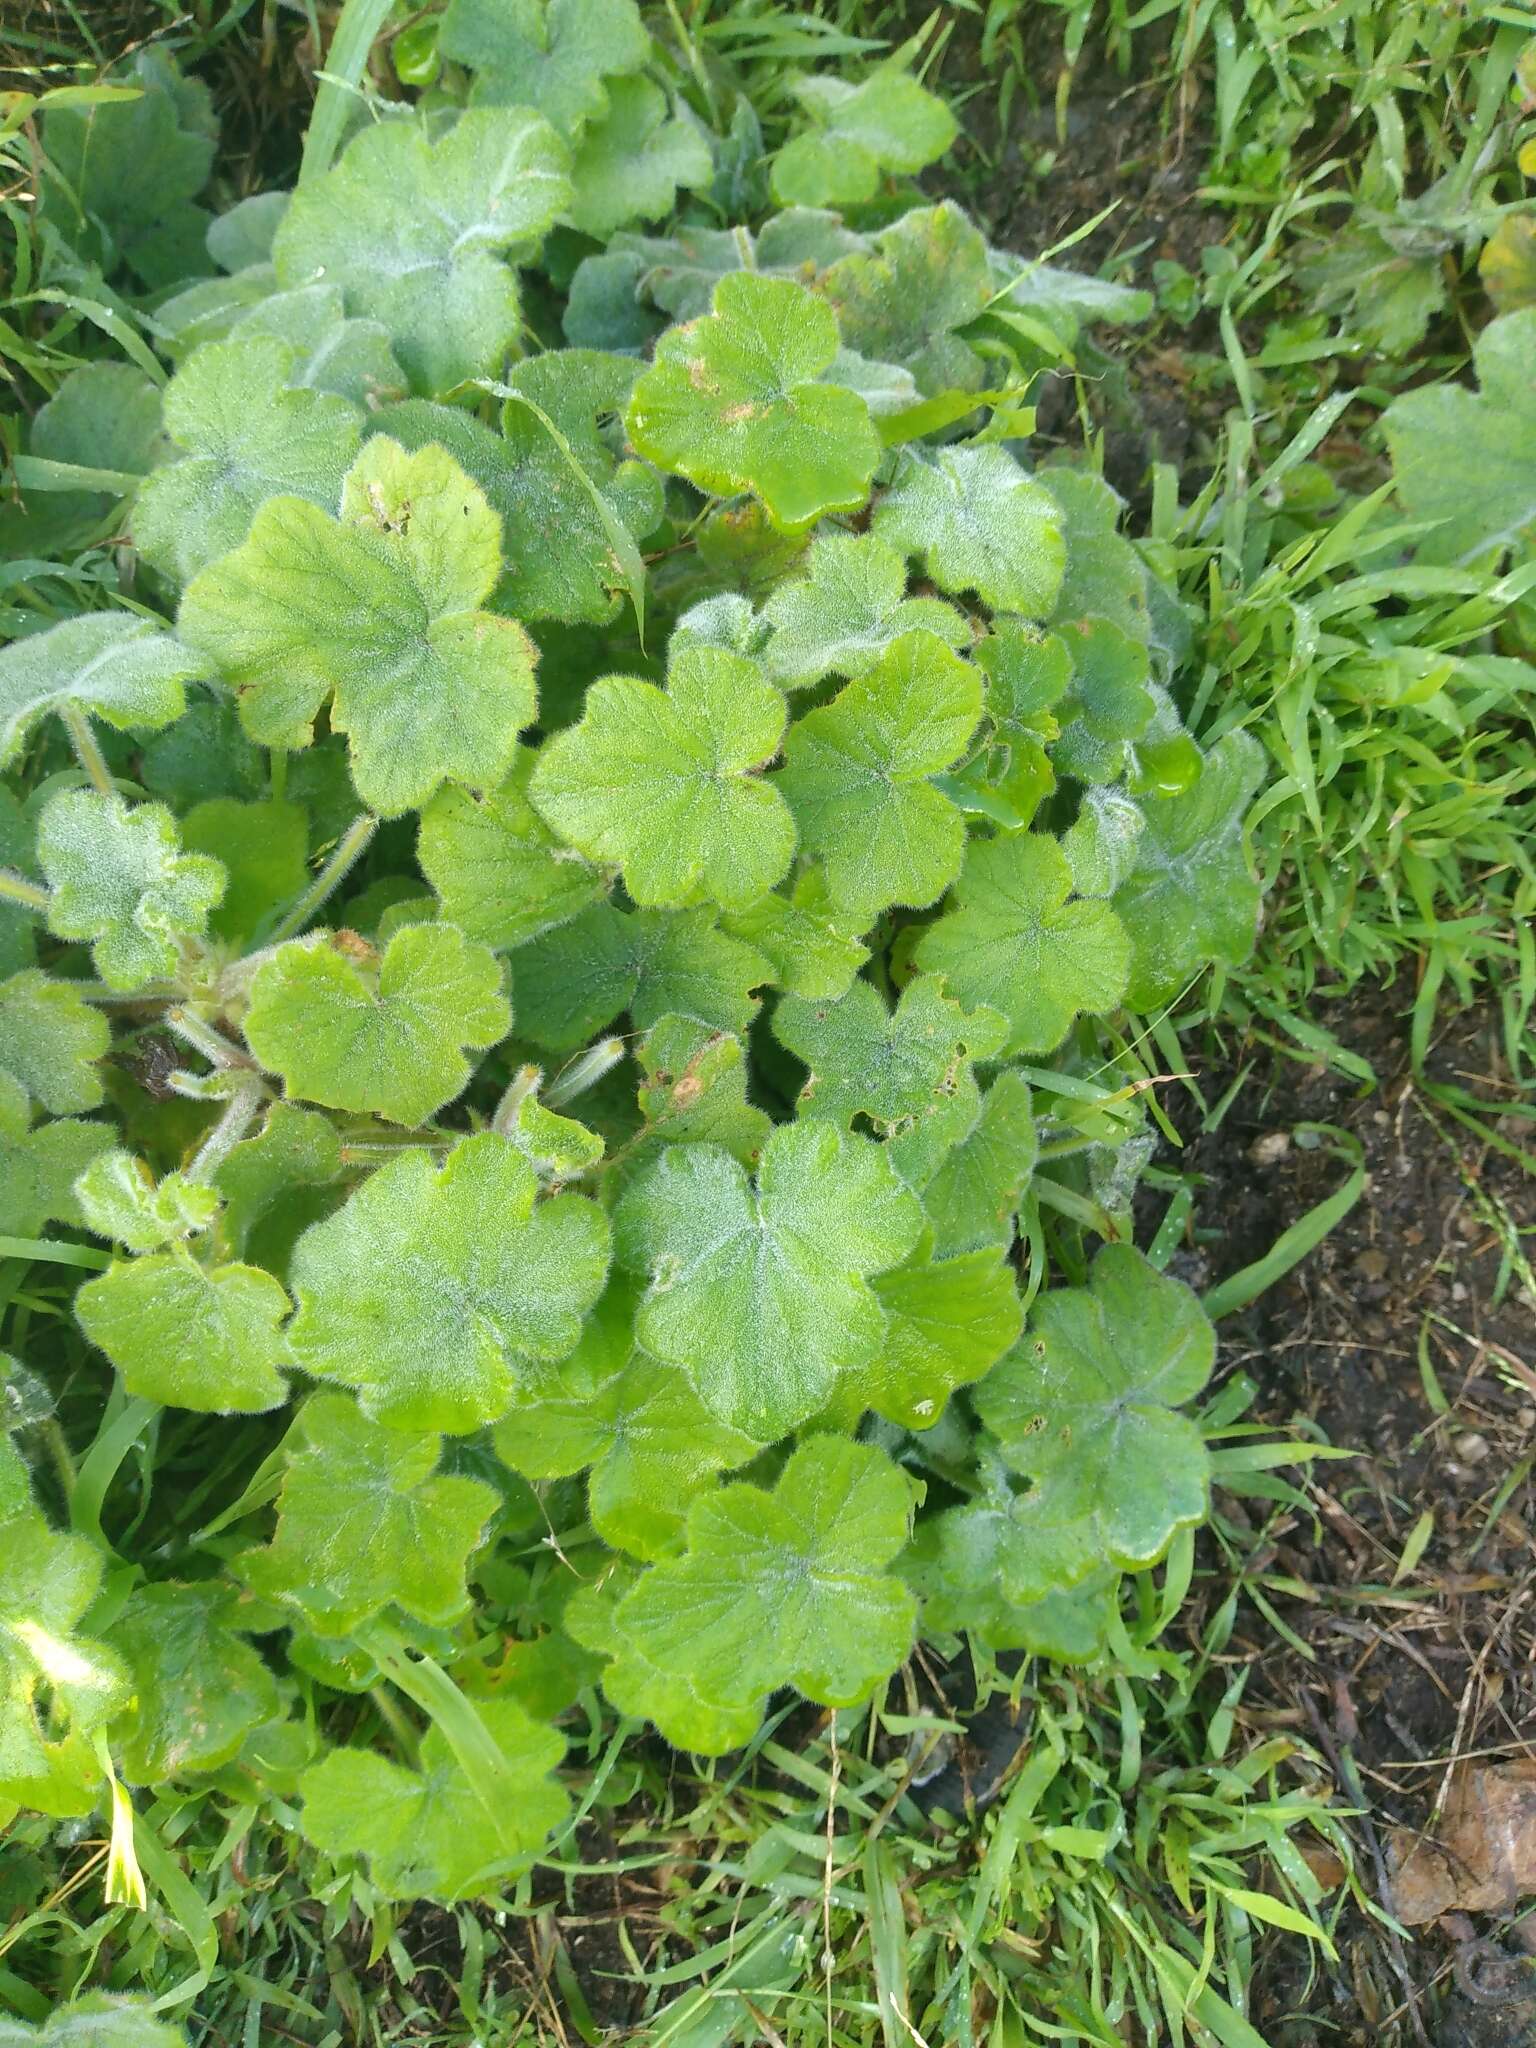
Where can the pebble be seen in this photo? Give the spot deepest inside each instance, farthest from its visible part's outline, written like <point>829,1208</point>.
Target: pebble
<point>1270,1149</point>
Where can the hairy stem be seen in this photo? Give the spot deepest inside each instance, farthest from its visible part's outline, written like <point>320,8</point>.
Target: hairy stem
<point>87,748</point>
<point>349,850</point>
<point>16,888</point>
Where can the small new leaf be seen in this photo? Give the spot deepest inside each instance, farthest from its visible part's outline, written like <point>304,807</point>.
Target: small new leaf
<point>119,1199</point>
<point>886,1065</point>
<point>120,880</point>
<point>840,618</point>
<point>735,402</point>
<point>358,1031</point>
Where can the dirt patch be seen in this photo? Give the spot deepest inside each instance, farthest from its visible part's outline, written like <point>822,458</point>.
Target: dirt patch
<point>1410,1592</point>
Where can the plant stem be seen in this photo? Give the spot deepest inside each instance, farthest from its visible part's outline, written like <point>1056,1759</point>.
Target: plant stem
<point>584,1072</point>
<point>213,1045</point>
<point>349,849</point>
<point>16,888</point>
<point>87,748</point>
<point>228,1131</point>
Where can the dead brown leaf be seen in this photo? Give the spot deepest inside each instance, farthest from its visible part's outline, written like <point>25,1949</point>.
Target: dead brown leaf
<point>1483,1856</point>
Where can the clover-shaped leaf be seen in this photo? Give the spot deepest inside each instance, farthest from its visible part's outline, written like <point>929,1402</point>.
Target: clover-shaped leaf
<point>120,1198</point>
<point>39,1165</point>
<point>901,301</point>
<point>1016,939</point>
<point>889,123</point>
<point>433,1292</point>
<point>710,826</point>
<point>120,880</point>
<point>50,1041</point>
<point>191,1336</point>
<point>349,359</point>
<point>857,776</point>
<point>973,1194</point>
<point>501,875</point>
<point>840,618</point>
<point>551,55</point>
<point>948,1321</point>
<point>1468,459</point>
<point>112,664</point>
<point>781,1588</point>
<point>1190,898</point>
<point>417,234</point>
<point>978,523</point>
<point>427,1833</point>
<point>380,612</point>
<point>356,1030</point>
<point>1087,1402</point>
<point>247,436</point>
<point>887,1065</point>
<point>55,1686</point>
<point>199,1690</point>
<point>761,1293</point>
<point>652,963</point>
<point>366,1521</point>
<point>735,402</point>
<point>629,165</point>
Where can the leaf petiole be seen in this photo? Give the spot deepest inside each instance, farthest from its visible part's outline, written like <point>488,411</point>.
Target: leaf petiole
<point>348,851</point>
<point>16,888</point>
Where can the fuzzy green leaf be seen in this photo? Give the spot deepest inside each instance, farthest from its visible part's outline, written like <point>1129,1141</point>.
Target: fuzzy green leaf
<point>1190,898</point>
<point>417,234</point>
<point>1014,940</point>
<point>50,1041</point>
<point>98,2020</point>
<point>39,1165</point>
<point>501,875</point>
<point>434,1292</point>
<point>1468,459</point>
<point>120,880</point>
<point>191,1336</point>
<point>1027,674</point>
<point>889,123</point>
<point>1086,1405</point>
<point>551,55</point>
<point>761,1292</point>
<point>200,1691</point>
<point>857,777</point>
<point>365,1522</point>
<point>295,1154</point>
<point>886,1065</point>
<point>973,1195</point>
<point>1108,704</point>
<point>781,1588</point>
<point>843,615</point>
<point>263,849</point>
<point>111,664</point>
<point>385,1033</point>
<point>247,436</point>
<point>380,613</point>
<point>695,1093</point>
<point>709,826</point>
<point>978,523</point>
<point>810,955</point>
<point>652,963</point>
<point>948,1321</point>
<point>901,302</point>
<point>427,1833</point>
<point>735,402</point>
<point>629,164</point>
<point>120,1199</point>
